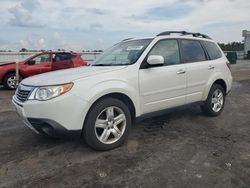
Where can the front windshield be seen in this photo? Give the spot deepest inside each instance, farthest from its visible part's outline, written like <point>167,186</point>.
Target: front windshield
<point>123,53</point>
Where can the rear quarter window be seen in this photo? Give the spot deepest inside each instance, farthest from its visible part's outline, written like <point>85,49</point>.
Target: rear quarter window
<point>212,50</point>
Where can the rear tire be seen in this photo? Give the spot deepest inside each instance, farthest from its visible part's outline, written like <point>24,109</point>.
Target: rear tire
<point>214,104</point>
<point>107,124</point>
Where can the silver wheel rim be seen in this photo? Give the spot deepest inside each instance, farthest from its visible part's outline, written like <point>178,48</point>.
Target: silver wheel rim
<point>11,81</point>
<point>110,125</point>
<point>217,100</point>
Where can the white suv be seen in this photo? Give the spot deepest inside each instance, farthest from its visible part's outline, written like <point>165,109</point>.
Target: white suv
<point>132,79</point>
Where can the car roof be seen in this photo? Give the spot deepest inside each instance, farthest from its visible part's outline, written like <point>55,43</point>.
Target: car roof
<point>176,34</point>
<point>56,52</point>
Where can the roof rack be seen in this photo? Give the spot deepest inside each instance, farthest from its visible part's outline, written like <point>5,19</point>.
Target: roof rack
<point>184,33</point>
<point>127,39</point>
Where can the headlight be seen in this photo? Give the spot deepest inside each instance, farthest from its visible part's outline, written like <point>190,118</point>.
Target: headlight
<point>48,92</point>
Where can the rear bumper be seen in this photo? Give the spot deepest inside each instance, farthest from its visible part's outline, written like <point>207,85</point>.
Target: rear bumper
<point>229,84</point>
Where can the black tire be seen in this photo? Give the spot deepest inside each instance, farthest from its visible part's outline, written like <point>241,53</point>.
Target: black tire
<point>89,130</point>
<point>6,78</point>
<point>207,107</point>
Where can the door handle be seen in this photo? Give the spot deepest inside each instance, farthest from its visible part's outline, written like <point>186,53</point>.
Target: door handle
<point>210,67</point>
<point>181,71</point>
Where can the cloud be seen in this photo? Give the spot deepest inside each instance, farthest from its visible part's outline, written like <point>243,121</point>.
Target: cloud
<point>22,14</point>
<point>30,5</point>
<point>56,41</point>
<point>41,43</point>
<point>97,11</point>
<point>95,26</point>
<point>172,11</point>
<point>3,45</point>
<point>24,44</point>
<point>100,23</point>
<point>33,41</point>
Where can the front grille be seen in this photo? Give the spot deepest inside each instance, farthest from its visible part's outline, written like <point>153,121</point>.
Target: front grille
<point>23,92</point>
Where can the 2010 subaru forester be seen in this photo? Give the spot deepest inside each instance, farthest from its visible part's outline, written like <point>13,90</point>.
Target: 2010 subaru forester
<point>131,79</point>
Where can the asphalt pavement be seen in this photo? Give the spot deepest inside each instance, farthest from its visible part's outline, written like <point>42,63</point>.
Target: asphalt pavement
<point>179,149</point>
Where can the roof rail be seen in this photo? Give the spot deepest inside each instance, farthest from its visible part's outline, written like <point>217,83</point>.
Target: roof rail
<point>184,33</point>
<point>127,39</point>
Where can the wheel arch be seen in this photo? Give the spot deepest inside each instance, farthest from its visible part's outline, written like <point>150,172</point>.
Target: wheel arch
<point>122,97</point>
<point>117,95</point>
<point>11,71</point>
<point>220,81</point>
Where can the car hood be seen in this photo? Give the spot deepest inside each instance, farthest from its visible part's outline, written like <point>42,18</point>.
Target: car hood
<point>6,63</point>
<point>68,75</point>
<point>10,63</point>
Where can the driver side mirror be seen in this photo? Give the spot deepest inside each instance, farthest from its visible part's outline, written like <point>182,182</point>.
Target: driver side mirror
<point>155,60</point>
<point>31,62</point>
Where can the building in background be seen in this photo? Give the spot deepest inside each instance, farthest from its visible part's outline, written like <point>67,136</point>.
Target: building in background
<point>246,35</point>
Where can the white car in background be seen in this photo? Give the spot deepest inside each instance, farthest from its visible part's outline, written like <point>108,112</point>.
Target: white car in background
<point>132,79</point>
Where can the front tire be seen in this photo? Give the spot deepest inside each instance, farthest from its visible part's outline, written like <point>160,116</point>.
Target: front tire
<point>214,104</point>
<point>9,81</point>
<point>107,124</point>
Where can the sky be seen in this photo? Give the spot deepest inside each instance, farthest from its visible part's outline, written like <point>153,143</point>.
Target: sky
<point>97,24</point>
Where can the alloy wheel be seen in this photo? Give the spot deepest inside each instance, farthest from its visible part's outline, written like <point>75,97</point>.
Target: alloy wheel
<point>11,81</point>
<point>110,125</point>
<point>217,100</point>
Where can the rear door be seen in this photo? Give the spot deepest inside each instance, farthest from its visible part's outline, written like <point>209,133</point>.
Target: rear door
<point>62,61</point>
<point>163,86</point>
<point>198,68</point>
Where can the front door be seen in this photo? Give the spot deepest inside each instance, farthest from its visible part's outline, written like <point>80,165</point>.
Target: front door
<point>163,86</point>
<point>38,64</point>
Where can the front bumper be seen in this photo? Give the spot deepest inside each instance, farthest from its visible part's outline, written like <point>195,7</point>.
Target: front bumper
<point>51,128</point>
<point>59,117</point>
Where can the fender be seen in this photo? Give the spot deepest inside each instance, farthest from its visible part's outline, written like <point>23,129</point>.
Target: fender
<point>106,87</point>
<point>210,82</point>
<point>10,71</point>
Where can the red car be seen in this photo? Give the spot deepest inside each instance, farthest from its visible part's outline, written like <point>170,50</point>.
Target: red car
<point>37,64</point>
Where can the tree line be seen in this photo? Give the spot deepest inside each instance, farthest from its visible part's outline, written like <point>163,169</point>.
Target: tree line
<point>232,46</point>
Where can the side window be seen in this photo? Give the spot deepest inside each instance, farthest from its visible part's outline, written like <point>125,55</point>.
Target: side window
<point>169,50</point>
<point>192,51</point>
<point>63,57</point>
<point>44,58</point>
<point>212,50</point>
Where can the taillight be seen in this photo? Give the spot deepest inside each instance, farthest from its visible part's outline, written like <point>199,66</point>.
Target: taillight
<point>228,65</point>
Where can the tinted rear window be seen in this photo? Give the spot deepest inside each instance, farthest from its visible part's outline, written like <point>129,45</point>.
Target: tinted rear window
<point>64,56</point>
<point>192,51</point>
<point>212,50</point>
